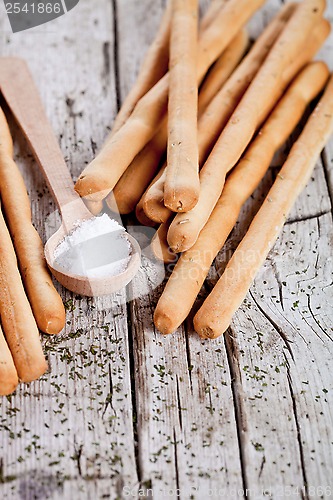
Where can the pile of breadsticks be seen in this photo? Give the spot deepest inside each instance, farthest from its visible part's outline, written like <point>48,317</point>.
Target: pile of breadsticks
<point>28,299</point>
<point>220,117</point>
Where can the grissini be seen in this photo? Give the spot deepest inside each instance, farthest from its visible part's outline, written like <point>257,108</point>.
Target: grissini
<point>218,112</point>
<point>45,301</point>
<point>214,316</point>
<point>193,266</point>
<point>17,320</point>
<point>153,68</point>
<point>139,174</point>
<point>8,373</point>
<point>136,178</point>
<point>182,185</point>
<point>281,65</point>
<point>153,200</point>
<point>222,69</point>
<point>102,174</point>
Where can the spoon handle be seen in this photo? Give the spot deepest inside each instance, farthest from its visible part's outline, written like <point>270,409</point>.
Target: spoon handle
<point>21,94</point>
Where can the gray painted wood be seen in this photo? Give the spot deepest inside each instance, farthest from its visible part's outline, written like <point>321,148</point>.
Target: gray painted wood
<point>124,410</point>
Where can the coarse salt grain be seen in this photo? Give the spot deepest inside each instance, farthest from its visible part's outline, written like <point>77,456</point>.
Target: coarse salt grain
<point>98,247</point>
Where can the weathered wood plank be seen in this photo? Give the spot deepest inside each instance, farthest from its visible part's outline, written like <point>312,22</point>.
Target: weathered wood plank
<point>72,431</point>
<point>186,424</point>
<point>279,347</point>
<point>271,456</point>
<point>209,417</point>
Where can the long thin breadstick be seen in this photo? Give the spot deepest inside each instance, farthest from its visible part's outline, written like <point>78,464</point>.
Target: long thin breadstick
<point>222,69</point>
<point>100,177</point>
<point>136,178</point>
<point>218,112</point>
<point>181,187</point>
<point>215,315</point>
<point>153,67</point>
<point>45,301</point>
<point>153,200</point>
<point>266,88</point>
<point>8,373</point>
<point>16,316</point>
<point>192,268</point>
<point>134,181</point>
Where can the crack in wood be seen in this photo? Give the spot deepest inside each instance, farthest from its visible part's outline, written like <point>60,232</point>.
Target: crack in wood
<point>77,457</point>
<point>326,168</point>
<point>116,52</point>
<point>109,397</point>
<point>276,275</point>
<point>263,461</point>
<point>176,464</point>
<point>106,61</point>
<point>276,327</point>
<point>305,493</point>
<point>238,403</point>
<point>314,316</point>
<point>133,391</point>
<point>306,218</point>
<point>179,405</point>
<point>188,358</point>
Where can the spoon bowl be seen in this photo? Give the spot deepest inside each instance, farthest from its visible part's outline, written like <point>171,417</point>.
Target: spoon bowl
<point>90,286</point>
<point>21,95</point>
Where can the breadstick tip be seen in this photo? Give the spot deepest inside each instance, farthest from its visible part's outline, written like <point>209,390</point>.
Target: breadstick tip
<point>163,322</point>
<point>55,325</point>
<point>208,331</point>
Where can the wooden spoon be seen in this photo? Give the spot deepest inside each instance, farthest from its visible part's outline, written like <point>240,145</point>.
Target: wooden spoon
<point>22,97</point>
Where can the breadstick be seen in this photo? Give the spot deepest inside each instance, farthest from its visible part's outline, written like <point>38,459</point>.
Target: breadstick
<point>160,247</point>
<point>8,373</point>
<point>218,112</point>
<point>45,301</point>
<point>215,315</point>
<point>192,268</point>
<point>100,177</point>
<point>134,181</point>
<point>154,66</point>
<point>222,69</point>
<point>17,319</point>
<point>181,186</point>
<point>266,88</point>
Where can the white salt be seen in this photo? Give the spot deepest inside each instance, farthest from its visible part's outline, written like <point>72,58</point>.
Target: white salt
<point>97,248</point>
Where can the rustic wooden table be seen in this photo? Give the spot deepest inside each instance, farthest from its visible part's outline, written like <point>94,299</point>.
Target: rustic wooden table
<point>124,410</point>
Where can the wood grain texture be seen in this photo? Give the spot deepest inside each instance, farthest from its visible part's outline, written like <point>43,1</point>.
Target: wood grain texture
<point>123,406</point>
